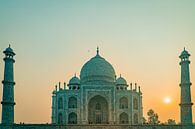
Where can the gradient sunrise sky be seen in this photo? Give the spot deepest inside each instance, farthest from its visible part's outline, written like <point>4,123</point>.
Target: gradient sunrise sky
<point>142,39</point>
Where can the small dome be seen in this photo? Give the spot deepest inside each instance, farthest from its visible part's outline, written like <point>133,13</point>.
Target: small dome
<point>9,50</point>
<point>121,81</point>
<point>97,69</point>
<point>74,81</point>
<point>184,54</point>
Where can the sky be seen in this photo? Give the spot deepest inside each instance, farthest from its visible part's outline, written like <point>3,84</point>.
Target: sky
<point>53,39</point>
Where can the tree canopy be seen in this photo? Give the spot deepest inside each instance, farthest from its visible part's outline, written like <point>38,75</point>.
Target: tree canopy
<point>152,117</point>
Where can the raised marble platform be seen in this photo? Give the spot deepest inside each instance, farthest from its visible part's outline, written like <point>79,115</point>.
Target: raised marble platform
<point>50,126</point>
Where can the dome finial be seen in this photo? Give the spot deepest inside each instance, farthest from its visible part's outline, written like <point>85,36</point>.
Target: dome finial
<point>120,75</point>
<point>184,48</point>
<point>97,50</point>
<point>75,74</point>
<point>9,45</point>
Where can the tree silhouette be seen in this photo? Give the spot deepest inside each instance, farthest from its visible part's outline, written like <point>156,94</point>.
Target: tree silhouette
<point>171,122</point>
<point>152,117</point>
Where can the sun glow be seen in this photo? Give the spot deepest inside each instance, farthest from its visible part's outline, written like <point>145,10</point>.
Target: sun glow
<point>167,100</point>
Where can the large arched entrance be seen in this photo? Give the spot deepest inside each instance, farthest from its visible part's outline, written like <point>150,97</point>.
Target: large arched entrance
<point>98,110</point>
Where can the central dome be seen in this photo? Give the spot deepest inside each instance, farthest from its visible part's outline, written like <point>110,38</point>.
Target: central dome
<point>97,69</point>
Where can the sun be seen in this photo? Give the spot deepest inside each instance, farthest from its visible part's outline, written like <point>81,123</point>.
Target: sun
<point>167,100</point>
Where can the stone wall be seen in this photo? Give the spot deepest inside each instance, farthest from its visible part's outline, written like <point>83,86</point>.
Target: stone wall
<point>49,126</point>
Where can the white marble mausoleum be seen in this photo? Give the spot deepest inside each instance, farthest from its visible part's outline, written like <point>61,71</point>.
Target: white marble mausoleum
<point>97,97</point>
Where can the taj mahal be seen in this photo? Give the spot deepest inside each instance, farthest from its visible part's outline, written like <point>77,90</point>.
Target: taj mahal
<point>97,99</point>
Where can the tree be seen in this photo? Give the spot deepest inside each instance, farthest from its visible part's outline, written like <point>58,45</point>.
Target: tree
<point>152,117</point>
<point>171,122</point>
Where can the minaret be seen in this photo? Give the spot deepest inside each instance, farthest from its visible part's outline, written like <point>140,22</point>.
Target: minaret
<point>53,117</point>
<point>8,88</point>
<point>186,104</point>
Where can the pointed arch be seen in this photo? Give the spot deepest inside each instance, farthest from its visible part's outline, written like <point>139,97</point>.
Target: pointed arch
<point>72,102</point>
<point>123,103</point>
<point>72,118</point>
<point>60,103</point>
<point>98,110</point>
<point>124,118</point>
<point>135,104</point>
